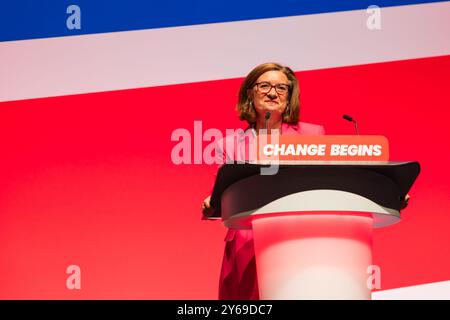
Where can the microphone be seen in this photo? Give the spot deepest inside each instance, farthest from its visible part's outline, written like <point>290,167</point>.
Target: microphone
<point>267,117</point>
<point>348,118</point>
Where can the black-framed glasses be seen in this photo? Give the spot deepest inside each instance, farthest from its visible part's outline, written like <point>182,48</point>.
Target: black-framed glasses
<point>265,87</point>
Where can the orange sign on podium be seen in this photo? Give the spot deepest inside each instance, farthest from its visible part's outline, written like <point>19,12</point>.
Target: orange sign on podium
<point>322,148</point>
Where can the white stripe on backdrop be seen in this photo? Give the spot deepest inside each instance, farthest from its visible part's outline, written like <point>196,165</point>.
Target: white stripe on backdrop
<point>154,57</point>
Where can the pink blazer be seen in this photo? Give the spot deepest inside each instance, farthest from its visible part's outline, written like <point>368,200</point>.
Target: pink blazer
<point>240,238</point>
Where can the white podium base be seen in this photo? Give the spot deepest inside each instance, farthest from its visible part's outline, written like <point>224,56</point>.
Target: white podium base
<point>318,255</point>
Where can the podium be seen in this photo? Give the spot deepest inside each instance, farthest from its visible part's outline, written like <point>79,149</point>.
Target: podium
<point>312,222</point>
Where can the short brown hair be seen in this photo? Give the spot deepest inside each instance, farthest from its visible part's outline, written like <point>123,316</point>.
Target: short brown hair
<point>246,110</point>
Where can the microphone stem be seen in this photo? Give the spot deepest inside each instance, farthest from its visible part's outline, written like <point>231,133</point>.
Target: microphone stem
<point>356,127</point>
<point>267,117</point>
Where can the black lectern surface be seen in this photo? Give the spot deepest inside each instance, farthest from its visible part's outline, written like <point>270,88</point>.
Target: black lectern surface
<point>385,183</point>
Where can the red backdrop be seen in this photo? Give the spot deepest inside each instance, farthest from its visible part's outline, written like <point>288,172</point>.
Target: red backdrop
<point>88,180</point>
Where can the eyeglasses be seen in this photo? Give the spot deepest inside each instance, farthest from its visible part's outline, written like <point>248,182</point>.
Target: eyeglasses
<point>265,87</point>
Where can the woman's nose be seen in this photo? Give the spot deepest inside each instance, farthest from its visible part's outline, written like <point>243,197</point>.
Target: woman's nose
<point>272,93</point>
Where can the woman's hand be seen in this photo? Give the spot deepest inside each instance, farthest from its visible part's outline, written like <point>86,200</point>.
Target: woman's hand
<point>206,207</point>
<point>404,202</point>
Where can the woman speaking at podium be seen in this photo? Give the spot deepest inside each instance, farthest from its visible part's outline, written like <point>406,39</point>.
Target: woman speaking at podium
<point>268,99</point>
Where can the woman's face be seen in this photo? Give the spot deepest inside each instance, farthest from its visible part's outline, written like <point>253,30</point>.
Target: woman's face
<point>274,100</point>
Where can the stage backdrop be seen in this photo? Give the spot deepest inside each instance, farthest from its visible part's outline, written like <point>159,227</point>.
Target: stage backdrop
<point>86,175</point>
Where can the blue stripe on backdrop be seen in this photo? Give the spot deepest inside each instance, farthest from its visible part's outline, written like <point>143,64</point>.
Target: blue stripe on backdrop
<point>30,19</point>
